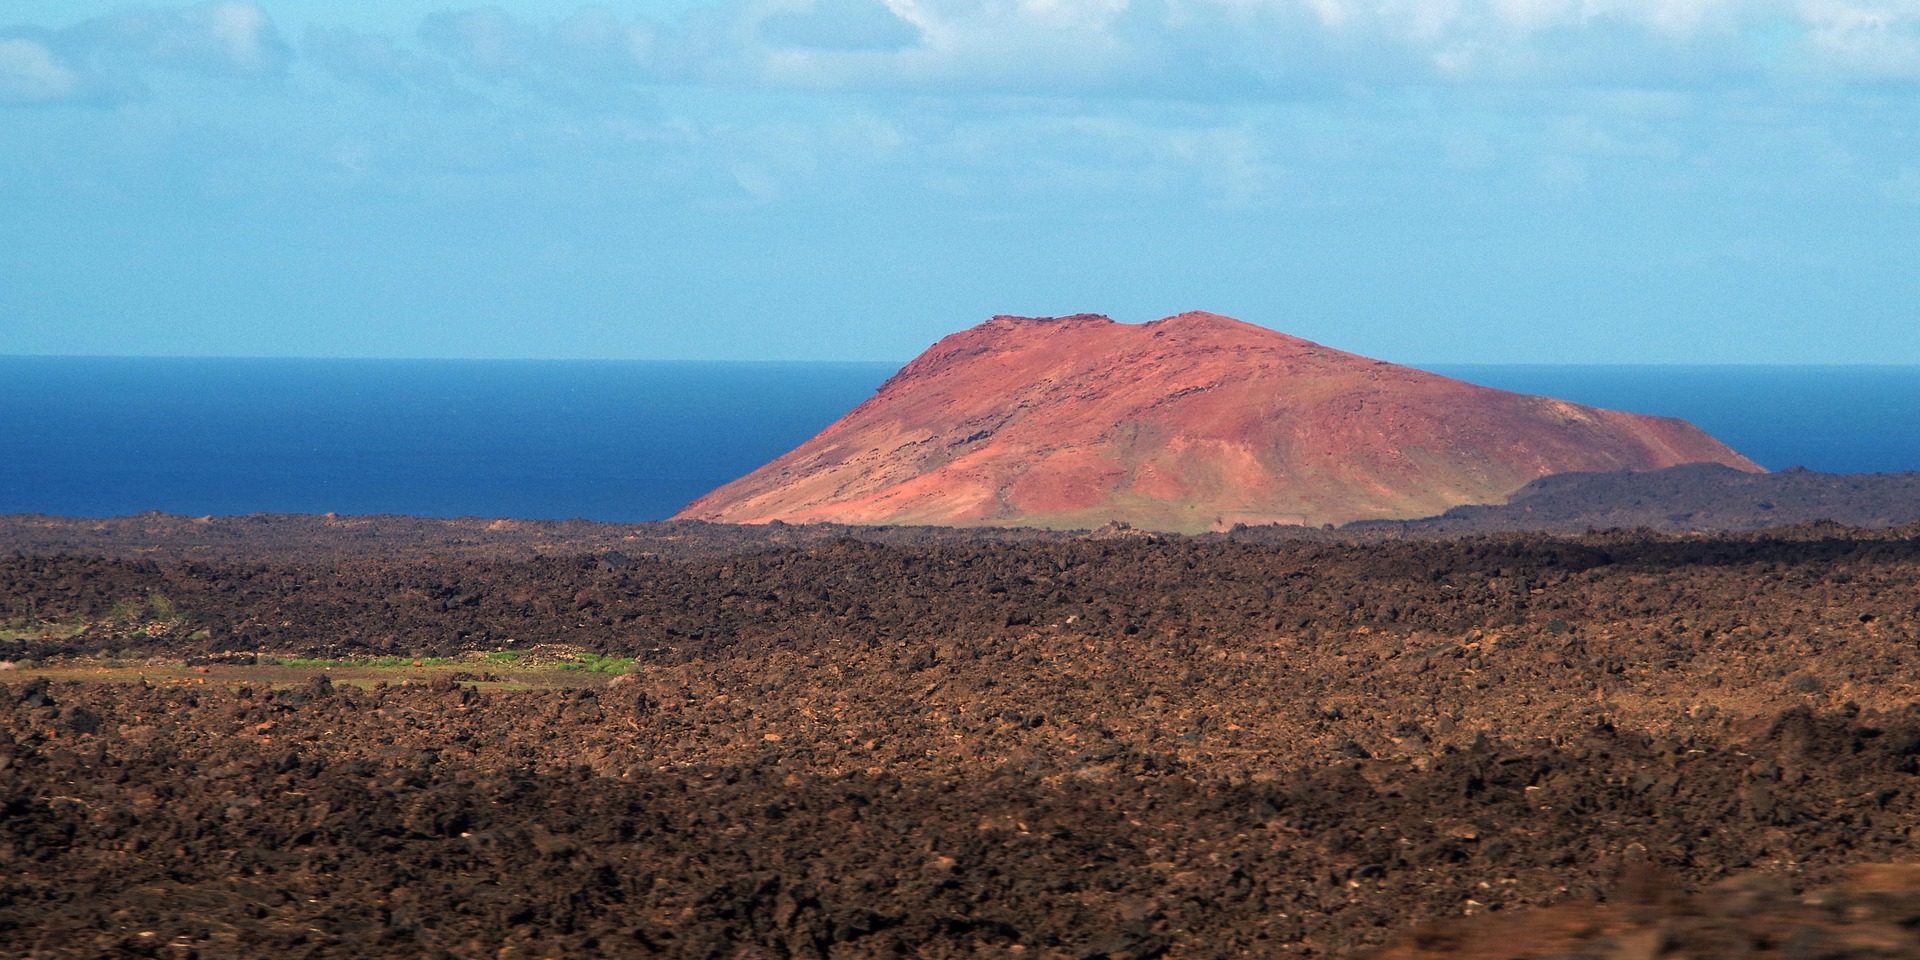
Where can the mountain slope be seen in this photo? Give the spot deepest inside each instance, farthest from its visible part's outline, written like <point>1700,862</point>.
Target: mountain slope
<point>1190,423</point>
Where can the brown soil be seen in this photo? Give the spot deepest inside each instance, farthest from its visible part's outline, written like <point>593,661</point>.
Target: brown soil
<point>1873,914</point>
<point>1123,747</point>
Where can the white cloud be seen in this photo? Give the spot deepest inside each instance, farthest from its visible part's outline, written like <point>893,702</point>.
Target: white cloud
<point>112,57</point>
<point>1179,49</point>
<point>30,73</point>
<point>244,32</point>
<point>1072,14</point>
<point>378,62</point>
<point>576,58</point>
<point>221,38</point>
<point>1279,46</point>
<point>487,41</point>
<point>839,25</point>
<point>1865,39</point>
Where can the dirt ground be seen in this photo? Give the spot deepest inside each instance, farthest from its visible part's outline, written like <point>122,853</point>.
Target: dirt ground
<point>1613,745</point>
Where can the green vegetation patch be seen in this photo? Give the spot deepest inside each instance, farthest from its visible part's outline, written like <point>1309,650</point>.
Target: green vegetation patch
<point>597,663</point>
<point>156,608</point>
<point>39,631</point>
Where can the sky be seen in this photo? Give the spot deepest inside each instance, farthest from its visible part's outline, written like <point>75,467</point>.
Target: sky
<point>1438,181</point>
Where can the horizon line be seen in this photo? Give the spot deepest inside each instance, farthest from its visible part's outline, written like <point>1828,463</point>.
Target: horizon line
<point>859,361</point>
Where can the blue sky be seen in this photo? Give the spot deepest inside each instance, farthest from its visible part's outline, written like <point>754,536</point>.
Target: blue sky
<point>1593,181</point>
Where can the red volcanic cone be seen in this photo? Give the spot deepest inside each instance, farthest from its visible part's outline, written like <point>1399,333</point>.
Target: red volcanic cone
<point>1190,423</point>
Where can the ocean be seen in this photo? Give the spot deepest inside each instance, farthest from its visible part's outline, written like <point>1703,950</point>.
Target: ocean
<point>632,441</point>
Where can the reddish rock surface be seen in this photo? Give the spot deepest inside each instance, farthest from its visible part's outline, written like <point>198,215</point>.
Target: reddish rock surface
<point>1190,423</point>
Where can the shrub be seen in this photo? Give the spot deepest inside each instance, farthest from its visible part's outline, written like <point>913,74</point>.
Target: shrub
<point>599,663</point>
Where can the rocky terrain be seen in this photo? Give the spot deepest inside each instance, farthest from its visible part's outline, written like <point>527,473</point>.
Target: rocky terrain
<point>1192,423</point>
<point>1620,744</point>
<point>1698,497</point>
<point>1873,913</point>
<point>1693,498</point>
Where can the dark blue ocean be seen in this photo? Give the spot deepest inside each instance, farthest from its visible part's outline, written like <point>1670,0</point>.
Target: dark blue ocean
<point>629,441</point>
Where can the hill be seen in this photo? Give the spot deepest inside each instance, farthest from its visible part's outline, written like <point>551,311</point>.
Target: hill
<point>1192,423</point>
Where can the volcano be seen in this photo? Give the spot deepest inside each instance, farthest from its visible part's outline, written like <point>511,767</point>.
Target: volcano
<point>1187,424</point>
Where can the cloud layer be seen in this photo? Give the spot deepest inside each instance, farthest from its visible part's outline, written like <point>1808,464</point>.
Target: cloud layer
<point>1613,179</point>
<point>1204,49</point>
<point>114,56</point>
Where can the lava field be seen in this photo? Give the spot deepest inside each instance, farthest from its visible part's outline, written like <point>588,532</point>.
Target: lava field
<point>836,743</point>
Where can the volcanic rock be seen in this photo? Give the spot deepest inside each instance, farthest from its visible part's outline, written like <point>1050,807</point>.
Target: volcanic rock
<point>1190,423</point>
<point>1686,498</point>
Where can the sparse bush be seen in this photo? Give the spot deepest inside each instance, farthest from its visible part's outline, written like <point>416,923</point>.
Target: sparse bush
<point>160,607</point>
<point>156,608</point>
<point>599,663</point>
